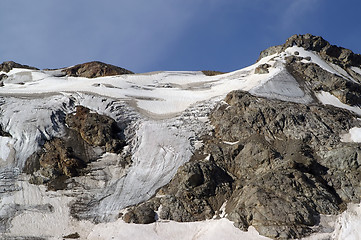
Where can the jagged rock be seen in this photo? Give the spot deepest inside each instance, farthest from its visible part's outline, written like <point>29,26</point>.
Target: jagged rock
<point>143,214</point>
<point>262,69</point>
<point>283,170</point>
<point>331,53</point>
<point>196,192</point>
<point>7,66</point>
<point>2,77</point>
<point>318,79</point>
<point>95,129</point>
<point>72,236</point>
<point>95,69</point>
<point>89,136</point>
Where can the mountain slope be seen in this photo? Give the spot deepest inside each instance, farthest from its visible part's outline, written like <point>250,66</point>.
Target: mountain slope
<point>279,152</point>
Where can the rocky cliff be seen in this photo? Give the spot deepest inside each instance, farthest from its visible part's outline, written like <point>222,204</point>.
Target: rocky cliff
<point>276,165</point>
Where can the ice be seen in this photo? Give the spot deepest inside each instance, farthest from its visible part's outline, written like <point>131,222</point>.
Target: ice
<point>282,86</point>
<point>156,157</point>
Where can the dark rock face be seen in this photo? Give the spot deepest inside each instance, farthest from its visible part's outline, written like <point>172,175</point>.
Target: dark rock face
<point>284,175</point>
<point>89,135</point>
<point>142,214</point>
<point>95,69</point>
<point>7,66</point>
<point>2,77</point>
<point>96,130</point>
<point>277,166</point>
<point>196,192</point>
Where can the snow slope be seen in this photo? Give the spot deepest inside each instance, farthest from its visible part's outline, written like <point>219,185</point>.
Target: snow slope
<point>168,112</point>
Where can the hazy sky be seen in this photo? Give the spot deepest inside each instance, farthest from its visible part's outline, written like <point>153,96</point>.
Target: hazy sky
<point>150,35</point>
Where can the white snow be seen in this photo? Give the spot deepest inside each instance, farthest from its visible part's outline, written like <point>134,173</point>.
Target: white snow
<point>356,70</point>
<point>162,93</point>
<point>348,224</point>
<point>46,214</point>
<point>354,135</point>
<point>205,230</point>
<point>328,98</point>
<point>6,147</point>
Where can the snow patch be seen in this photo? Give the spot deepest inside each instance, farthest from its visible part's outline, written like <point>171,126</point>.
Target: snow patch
<point>348,224</point>
<point>169,230</point>
<point>329,99</point>
<point>356,70</point>
<point>354,135</point>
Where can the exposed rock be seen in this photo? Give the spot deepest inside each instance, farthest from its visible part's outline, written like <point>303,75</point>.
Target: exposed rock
<point>72,236</point>
<point>7,66</point>
<point>284,175</point>
<point>331,53</point>
<point>3,133</point>
<point>95,69</point>
<point>196,192</point>
<point>89,135</point>
<point>97,130</point>
<point>262,69</point>
<point>318,79</point>
<point>143,214</point>
<point>212,73</point>
<point>2,78</point>
<point>277,166</point>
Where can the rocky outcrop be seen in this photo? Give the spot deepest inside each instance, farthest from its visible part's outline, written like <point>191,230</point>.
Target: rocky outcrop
<point>88,136</point>
<point>7,66</point>
<point>331,53</point>
<point>262,69</point>
<point>96,130</point>
<point>2,78</point>
<point>275,165</point>
<point>142,214</point>
<point>95,69</point>
<point>281,163</point>
<point>318,79</point>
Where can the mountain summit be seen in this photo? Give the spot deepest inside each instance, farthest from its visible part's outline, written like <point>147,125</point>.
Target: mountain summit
<point>94,151</point>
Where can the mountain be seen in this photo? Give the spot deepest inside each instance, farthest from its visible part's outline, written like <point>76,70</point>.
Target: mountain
<point>273,150</point>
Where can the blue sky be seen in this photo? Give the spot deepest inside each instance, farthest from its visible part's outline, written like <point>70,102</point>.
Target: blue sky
<point>151,35</point>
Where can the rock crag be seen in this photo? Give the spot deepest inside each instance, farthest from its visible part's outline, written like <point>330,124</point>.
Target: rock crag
<point>94,69</point>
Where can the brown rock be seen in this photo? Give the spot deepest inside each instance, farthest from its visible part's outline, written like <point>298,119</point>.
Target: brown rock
<point>95,69</point>
<point>7,66</point>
